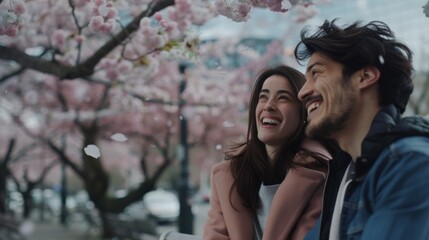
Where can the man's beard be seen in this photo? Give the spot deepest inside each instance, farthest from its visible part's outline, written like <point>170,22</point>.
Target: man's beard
<point>329,125</point>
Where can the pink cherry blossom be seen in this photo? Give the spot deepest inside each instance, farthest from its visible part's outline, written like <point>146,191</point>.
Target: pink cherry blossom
<point>59,38</point>
<point>305,12</point>
<point>9,30</point>
<point>96,23</point>
<point>19,7</point>
<point>99,2</point>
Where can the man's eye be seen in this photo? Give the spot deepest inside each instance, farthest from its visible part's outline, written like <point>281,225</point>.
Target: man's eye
<point>314,72</point>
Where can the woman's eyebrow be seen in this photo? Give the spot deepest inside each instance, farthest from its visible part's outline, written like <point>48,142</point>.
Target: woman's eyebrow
<point>281,91</point>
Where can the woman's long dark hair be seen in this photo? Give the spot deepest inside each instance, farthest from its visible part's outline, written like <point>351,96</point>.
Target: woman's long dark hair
<point>249,160</point>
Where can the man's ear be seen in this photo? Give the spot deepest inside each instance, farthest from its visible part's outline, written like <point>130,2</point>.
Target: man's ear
<point>369,75</point>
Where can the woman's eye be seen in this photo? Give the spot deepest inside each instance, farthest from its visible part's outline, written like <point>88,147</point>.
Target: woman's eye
<point>262,97</point>
<point>284,97</point>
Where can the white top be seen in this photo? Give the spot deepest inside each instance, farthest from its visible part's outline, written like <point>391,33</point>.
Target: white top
<point>266,195</point>
<point>334,231</point>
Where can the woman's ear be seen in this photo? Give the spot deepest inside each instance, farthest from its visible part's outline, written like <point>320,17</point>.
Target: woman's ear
<point>369,76</point>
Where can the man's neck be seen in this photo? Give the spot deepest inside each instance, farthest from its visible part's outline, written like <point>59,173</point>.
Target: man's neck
<point>356,128</point>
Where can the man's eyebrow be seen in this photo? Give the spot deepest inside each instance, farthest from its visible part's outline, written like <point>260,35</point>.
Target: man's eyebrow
<point>312,66</point>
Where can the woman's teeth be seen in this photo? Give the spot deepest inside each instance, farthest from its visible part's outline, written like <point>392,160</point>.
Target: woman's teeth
<point>270,121</point>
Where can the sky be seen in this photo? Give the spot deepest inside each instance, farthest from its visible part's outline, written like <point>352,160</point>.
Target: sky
<point>405,18</point>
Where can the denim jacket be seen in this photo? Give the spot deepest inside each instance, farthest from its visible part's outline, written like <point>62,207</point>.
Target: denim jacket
<point>387,197</point>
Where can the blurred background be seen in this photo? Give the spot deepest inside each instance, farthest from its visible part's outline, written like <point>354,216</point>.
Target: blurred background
<point>93,122</point>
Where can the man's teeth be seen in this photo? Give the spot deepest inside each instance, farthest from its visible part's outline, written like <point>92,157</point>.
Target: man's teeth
<point>270,121</point>
<point>313,106</point>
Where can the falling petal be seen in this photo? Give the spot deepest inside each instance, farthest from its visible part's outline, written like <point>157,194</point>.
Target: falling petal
<point>119,137</point>
<point>381,59</point>
<point>92,150</point>
<point>286,5</point>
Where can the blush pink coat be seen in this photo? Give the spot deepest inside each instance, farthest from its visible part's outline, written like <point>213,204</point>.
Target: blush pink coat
<point>295,208</point>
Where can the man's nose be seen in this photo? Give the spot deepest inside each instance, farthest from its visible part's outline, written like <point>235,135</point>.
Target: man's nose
<point>305,91</point>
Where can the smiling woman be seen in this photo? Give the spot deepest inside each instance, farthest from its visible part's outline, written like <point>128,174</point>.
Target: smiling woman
<point>277,169</point>
<point>276,113</point>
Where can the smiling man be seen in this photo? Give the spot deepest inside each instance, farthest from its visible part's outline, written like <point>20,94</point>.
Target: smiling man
<point>358,83</point>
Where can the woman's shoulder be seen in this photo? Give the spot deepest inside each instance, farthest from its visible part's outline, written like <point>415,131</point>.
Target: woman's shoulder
<point>316,147</point>
<point>221,173</point>
<point>223,166</point>
<point>313,156</point>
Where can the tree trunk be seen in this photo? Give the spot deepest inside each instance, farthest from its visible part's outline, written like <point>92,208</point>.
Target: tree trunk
<point>28,204</point>
<point>106,230</point>
<point>3,190</point>
<point>4,173</point>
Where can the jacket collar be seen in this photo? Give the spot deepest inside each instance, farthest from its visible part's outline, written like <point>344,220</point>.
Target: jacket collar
<point>387,127</point>
<point>384,121</point>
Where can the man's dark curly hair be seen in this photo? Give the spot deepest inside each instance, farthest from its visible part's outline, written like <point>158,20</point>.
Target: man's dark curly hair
<point>356,46</point>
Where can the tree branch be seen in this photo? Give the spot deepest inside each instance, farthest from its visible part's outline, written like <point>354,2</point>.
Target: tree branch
<point>85,68</point>
<point>7,157</point>
<point>65,159</point>
<point>4,78</point>
<point>39,64</point>
<point>126,32</point>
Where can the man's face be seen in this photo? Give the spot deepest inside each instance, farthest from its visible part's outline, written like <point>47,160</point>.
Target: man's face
<point>328,99</point>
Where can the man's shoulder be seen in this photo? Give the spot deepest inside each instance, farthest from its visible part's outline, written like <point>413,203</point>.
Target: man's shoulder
<point>410,144</point>
<point>414,123</point>
<point>408,131</point>
<point>411,134</point>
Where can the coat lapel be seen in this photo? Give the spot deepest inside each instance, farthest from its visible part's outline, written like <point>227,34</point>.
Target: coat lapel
<point>290,202</point>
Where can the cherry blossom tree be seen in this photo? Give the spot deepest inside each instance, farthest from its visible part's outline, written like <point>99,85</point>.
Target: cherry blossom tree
<point>84,38</point>
<point>22,154</point>
<point>92,114</point>
<point>4,172</point>
<point>27,184</point>
<point>97,82</point>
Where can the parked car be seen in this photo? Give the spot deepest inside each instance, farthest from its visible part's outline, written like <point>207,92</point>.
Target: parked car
<point>162,206</point>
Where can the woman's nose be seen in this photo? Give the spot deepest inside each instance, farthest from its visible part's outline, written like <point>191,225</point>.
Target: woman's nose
<point>269,106</point>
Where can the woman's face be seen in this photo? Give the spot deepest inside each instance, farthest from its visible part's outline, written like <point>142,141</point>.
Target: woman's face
<point>277,112</point>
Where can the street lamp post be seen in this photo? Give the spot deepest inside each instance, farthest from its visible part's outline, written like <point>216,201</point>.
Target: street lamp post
<point>185,215</point>
<point>63,216</point>
<point>64,193</point>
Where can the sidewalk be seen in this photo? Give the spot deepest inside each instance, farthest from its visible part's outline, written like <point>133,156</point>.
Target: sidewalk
<point>55,231</point>
<point>51,229</point>
<point>48,230</point>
